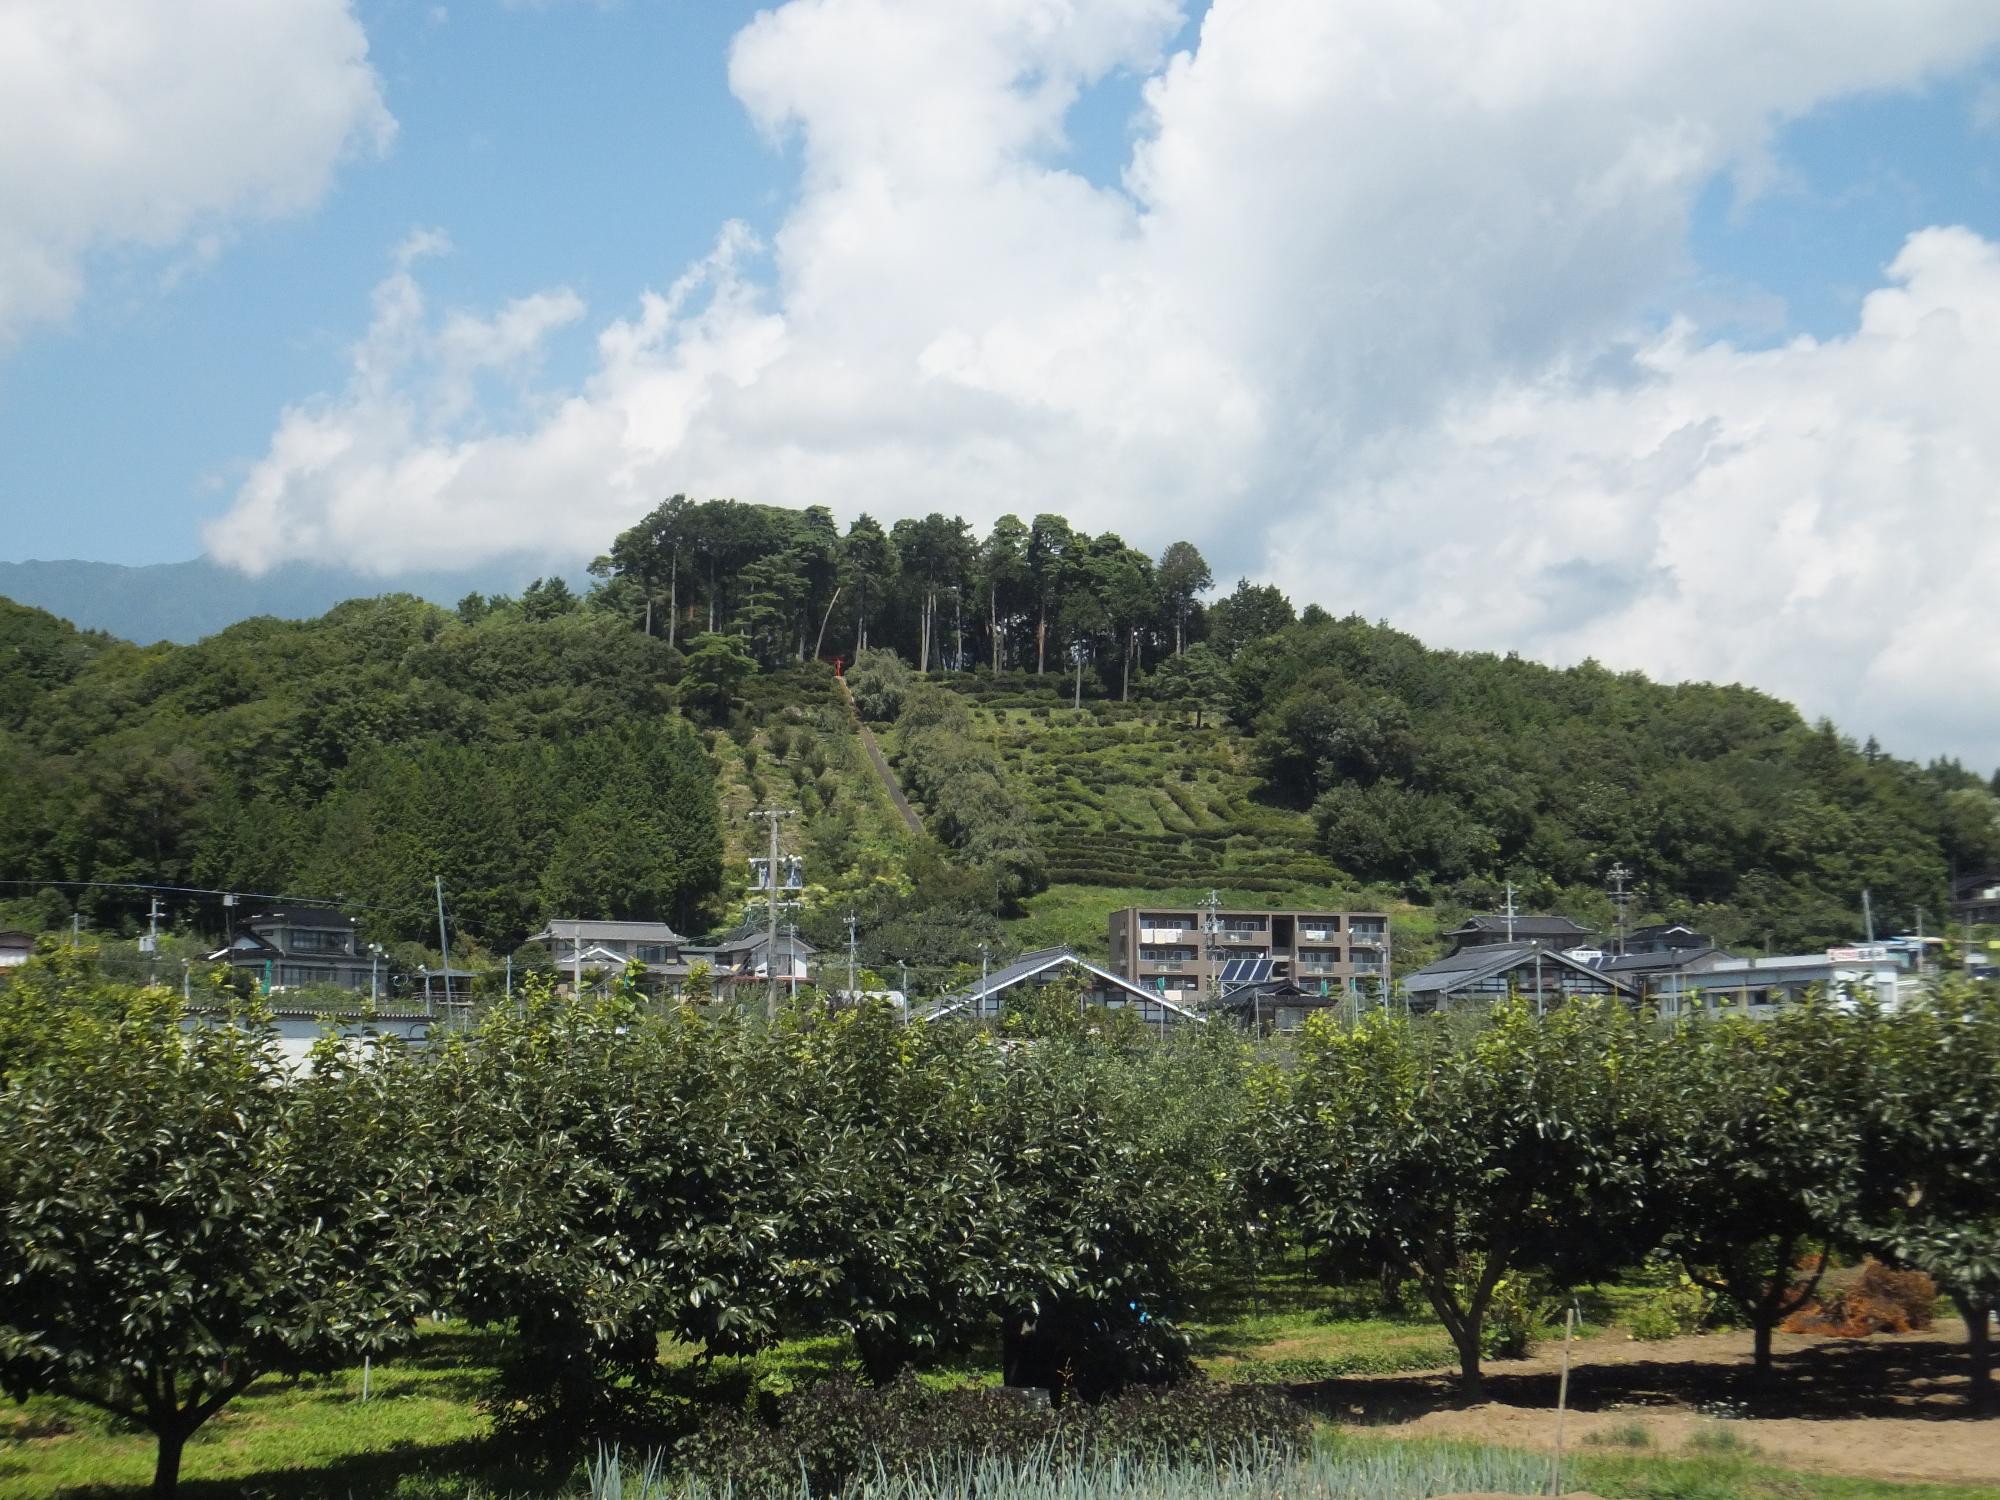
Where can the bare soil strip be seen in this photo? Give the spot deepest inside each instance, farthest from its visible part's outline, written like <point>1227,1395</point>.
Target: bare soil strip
<point>1888,1407</point>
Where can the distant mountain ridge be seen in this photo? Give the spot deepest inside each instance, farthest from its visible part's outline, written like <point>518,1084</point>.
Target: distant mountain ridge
<point>187,601</point>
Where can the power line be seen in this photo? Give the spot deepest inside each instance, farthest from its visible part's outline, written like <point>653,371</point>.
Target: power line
<point>209,890</point>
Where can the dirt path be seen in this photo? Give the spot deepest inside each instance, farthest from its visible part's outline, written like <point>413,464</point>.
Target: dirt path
<point>1889,1407</point>
<point>882,772</point>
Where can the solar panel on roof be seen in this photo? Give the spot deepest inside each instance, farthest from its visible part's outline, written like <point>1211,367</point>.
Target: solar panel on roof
<point>1246,971</point>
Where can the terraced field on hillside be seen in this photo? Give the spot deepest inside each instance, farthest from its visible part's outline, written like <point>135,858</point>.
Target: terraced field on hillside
<point>1145,798</point>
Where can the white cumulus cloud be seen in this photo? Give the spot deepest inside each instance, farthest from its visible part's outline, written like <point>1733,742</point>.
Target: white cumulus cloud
<point>132,122</point>
<point>1366,311</point>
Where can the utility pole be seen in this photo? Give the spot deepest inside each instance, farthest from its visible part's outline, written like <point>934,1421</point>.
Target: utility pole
<point>374,970</point>
<point>791,959</point>
<point>1510,911</point>
<point>152,937</point>
<point>444,944</point>
<point>850,955</point>
<point>1867,914</point>
<point>1619,875</point>
<point>982,980</point>
<point>1211,927</point>
<point>772,816</point>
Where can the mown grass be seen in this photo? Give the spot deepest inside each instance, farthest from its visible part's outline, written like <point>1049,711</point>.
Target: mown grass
<point>294,1438</point>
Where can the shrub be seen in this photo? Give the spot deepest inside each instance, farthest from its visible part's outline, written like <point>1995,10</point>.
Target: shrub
<point>1515,1317</point>
<point>1678,1308</point>
<point>1630,1435</point>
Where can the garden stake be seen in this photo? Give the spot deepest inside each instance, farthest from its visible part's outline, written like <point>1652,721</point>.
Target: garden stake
<point>1562,1401</point>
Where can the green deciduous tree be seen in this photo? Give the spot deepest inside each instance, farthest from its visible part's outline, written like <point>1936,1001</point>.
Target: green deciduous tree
<point>1184,577</point>
<point>1930,1127</point>
<point>177,1219</point>
<point>1758,1162</point>
<point>1457,1153</point>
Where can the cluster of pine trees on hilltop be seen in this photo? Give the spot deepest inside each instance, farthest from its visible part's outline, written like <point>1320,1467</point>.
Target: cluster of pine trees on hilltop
<point>558,754</point>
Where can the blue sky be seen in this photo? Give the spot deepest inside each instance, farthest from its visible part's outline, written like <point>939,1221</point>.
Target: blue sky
<point>1366,273</point>
<point>599,147</point>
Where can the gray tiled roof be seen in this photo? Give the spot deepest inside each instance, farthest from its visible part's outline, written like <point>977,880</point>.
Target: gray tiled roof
<point>569,928</point>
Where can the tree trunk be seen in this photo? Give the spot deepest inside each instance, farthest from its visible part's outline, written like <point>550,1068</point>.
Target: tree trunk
<point>1180,622</point>
<point>1978,1315</point>
<point>1078,702</point>
<point>1471,1379</point>
<point>993,629</point>
<point>1041,640</point>
<point>711,599</point>
<point>167,1466</point>
<point>820,642</point>
<point>1125,667</point>
<point>860,617</point>
<point>1765,1321</point>
<point>674,597</point>
<point>924,633</point>
<point>649,614</point>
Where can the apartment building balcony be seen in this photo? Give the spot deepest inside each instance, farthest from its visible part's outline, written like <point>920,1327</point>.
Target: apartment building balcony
<point>1368,937</point>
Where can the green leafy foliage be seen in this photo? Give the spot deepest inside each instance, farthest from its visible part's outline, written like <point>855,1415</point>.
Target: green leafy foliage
<point>177,1218</point>
<point>1463,1155</point>
<point>1759,1164</point>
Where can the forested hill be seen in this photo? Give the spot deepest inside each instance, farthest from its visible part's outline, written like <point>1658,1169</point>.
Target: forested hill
<point>557,754</point>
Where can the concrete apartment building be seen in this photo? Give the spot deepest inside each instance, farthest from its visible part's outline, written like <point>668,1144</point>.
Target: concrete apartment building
<point>1190,949</point>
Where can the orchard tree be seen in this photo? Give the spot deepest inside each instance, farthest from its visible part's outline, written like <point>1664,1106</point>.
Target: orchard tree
<point>887,1177</point>
<point>177,1219</point>
<point>1114,1201</point>
<point>1460,1154</point>
<point>1758,1162</point>
<point>605,1176</point>
<point>1932,1124</point>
